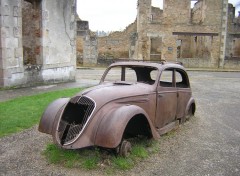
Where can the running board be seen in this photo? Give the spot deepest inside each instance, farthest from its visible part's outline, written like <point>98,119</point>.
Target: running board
<point>169,127</point>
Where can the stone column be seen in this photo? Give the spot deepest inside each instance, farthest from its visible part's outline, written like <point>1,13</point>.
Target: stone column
<point>143,18</point>
<point>11,54</point>
<point>223,33</point>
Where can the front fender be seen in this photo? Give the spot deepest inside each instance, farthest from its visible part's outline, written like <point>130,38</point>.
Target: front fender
<point>111,128</point>
<point>51,115</point>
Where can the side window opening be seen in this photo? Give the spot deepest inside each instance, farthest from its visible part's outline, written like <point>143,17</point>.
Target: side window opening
<point>181,79</point>
<point>166,79</point>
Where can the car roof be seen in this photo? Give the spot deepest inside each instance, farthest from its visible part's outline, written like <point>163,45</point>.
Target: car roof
<point>160,65</point>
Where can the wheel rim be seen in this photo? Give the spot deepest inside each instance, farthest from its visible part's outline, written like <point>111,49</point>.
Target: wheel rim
<point>125,148</point>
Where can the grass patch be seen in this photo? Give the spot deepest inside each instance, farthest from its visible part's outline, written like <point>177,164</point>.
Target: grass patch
<point>87,158</point>
<point>122,163</point>
<point>95,158</point>
<point>24,112</point>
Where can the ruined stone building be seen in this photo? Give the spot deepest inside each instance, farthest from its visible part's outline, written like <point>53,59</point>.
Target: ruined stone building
<point>93,50</point>
<point>87,45</point>
<point>117,45</point>
<point>205,35</point>
<point>37,41</point>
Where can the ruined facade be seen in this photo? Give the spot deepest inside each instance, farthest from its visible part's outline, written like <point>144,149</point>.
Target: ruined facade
<point>206,35</point>
<point>118,44</point>
<point>95,50</point>
<point>87,45</point>
<point>199,36</point>
<point>37,41</point>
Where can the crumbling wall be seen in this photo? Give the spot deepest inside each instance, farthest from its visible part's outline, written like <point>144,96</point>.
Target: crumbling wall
<point>87,45</point>
<point>176,11</point>
<point>117,44</point>
<point>82,32</point>
<point>197,13</point>
<point>90,50</point>
<point>195,46</point>
<point>156,14</point>
<point>233,37</point>
<point>185,33</point>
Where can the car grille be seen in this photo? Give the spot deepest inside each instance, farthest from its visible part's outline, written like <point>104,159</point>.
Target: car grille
<point>75,119</point>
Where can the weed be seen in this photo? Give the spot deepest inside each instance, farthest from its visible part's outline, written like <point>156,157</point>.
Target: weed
<point>139,151</point>
<point>122,163</point>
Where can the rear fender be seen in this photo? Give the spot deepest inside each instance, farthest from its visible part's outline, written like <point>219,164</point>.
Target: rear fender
<point>190,102</point>
<point>51,115</point>
<point>110,130</point>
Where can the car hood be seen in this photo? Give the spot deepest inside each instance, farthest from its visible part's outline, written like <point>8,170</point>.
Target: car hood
<point>104,93</point>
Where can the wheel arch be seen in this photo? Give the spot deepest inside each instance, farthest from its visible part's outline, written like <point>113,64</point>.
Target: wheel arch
<point>113,126</point>
<point>191,104</point>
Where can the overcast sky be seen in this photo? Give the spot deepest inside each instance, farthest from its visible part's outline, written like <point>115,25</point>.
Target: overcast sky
<point>112,15</point>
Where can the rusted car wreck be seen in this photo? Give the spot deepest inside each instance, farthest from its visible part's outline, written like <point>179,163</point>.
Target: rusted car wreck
<point>132,99</point>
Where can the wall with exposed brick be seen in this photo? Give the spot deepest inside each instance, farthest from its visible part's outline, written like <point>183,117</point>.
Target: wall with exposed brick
<point>31,49</point>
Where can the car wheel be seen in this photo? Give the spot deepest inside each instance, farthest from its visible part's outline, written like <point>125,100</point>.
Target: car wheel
<point>125,148</point>
<point>190,113</point>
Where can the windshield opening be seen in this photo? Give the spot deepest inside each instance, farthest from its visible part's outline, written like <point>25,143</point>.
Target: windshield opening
<point>131,74</point>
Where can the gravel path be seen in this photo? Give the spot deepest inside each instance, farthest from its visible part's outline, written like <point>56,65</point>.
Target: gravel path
<point>208,144</point>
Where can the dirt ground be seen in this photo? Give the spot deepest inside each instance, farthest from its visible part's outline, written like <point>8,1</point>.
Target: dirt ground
<point>208,144</point>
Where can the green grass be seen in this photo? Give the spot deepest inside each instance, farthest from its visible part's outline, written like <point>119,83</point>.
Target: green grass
<point>24,112</point>
<point>109,162</point>
<point>87,159</point>
<point>122,163</point>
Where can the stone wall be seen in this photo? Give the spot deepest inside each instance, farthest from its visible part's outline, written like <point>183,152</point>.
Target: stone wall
<point>199,33</point>
<point>11,52</point>
<point>59,53</point>
<point>38,41</point>
<point>206,35</point>
<point>117,44</point>
<point>90,51</point>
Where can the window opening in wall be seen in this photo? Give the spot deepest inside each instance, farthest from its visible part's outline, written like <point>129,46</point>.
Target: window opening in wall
<point>157,11</point>
<point>157,3</point>
<point>31,32</point>
<point>236,48</point>
<point>192,46</point>
<point>156,48</point>
<point>193,3</point>
<point>179,43</point>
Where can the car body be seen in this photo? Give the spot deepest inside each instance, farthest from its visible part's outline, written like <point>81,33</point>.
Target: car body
<point>132,99</point>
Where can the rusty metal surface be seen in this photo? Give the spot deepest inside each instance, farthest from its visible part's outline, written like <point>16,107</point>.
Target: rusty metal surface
<point>106,114</point>
<point>49,117</point>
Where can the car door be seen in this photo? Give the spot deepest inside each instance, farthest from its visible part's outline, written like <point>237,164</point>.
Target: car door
<point>184,92</point>
<point>166,99</point>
